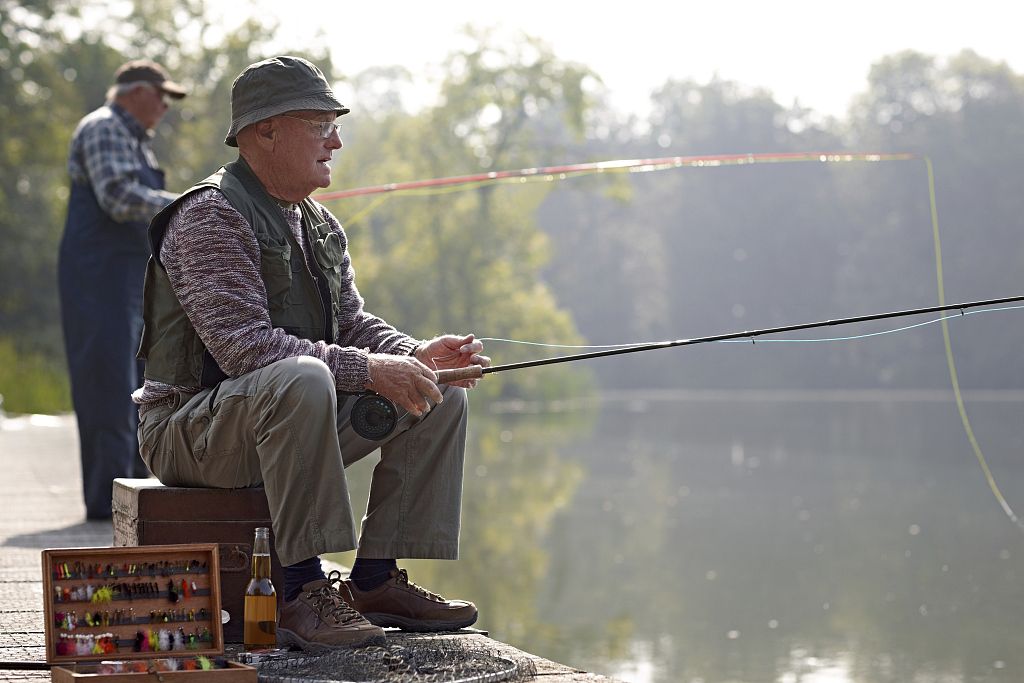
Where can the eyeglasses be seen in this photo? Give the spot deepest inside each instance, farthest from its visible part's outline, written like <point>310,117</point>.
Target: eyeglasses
<point>327,128</point>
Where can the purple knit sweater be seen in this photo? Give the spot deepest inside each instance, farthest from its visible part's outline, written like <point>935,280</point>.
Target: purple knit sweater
<point>213,264</point>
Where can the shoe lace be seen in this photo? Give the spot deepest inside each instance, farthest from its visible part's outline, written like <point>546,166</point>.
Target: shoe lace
<point>403,580</point>
<point>330,604</point>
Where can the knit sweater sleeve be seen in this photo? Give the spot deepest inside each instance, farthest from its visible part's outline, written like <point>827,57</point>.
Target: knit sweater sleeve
<point>212,260</point>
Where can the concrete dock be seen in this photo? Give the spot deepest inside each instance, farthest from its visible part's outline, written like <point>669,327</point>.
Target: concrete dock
<point>41,507</point>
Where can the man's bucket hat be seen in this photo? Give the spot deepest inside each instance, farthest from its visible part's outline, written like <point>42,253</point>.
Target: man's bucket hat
<point>275,86</point>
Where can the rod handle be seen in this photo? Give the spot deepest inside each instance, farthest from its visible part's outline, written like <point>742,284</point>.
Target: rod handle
<point>457,374</point>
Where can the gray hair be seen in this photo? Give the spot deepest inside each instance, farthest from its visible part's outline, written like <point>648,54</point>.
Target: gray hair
<point>118,89</point>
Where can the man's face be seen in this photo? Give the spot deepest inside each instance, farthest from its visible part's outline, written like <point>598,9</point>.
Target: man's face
<point>150,105</point>
<point>304,156</point>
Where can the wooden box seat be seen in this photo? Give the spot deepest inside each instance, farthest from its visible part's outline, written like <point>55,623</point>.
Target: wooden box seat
<point>145,512</point>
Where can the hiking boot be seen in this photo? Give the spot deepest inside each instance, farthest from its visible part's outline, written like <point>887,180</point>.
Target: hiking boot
<point>319,619</point>
<point>399,602</point>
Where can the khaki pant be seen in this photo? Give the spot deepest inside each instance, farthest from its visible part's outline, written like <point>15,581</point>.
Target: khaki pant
<point>285,427</point>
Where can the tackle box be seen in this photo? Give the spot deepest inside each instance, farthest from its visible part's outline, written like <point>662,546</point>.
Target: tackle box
<point>116,615</point>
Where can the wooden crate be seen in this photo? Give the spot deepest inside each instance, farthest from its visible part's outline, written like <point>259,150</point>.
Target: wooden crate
<point>148,513</point>
<point>134,605</point>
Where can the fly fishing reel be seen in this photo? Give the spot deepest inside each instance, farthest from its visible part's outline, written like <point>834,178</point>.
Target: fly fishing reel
<point>373,417</point>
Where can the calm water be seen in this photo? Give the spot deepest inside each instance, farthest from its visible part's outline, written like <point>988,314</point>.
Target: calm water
<point>732,538</point>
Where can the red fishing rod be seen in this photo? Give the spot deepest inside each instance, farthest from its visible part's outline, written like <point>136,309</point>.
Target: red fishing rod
<point>374,417</point>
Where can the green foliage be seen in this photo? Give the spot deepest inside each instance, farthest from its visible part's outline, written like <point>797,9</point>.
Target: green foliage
<point>55,66</point>
<point>465,262</point>
<point>38,103</point>
<point>32,382</point>
<point>469,260</point>
<point>492,94</point>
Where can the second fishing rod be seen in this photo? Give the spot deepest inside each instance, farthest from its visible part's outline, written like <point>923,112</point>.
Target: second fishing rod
<point>374,417</point>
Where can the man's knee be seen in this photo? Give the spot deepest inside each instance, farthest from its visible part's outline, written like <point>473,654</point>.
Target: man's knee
<point>446,419</point>
<point>455,403</point>
<point>458,395</point>
<point>302,378</point>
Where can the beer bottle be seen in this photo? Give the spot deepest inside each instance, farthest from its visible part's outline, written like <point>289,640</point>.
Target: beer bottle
<point>260,597</point>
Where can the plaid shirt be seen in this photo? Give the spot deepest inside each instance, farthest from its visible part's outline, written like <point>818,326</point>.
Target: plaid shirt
<point>105,155</point>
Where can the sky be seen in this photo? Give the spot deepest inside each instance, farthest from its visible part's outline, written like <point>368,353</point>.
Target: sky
<point>816,52</point>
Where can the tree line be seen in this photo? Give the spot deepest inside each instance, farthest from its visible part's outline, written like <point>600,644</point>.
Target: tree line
<point>606,259</point>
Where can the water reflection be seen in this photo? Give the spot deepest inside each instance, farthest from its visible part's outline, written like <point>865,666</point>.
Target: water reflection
<point>746,540</point>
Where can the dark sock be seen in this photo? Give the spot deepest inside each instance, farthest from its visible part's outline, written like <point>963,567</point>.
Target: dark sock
<point>299,574</point>
<point>368,573</point>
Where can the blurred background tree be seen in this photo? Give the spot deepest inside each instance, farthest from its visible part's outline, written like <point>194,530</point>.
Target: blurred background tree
<point>469,260</point>
<point>713,250</point>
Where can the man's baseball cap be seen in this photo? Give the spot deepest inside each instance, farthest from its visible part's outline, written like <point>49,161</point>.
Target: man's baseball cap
<point>149,72</point>
<point>275,86</point>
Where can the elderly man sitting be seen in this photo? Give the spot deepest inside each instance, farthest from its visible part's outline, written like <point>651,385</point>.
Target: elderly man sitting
<point>255,342</point>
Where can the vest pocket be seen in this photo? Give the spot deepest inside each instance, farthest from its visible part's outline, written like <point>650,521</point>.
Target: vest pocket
<point>275,267</point>
<point>329,251</point>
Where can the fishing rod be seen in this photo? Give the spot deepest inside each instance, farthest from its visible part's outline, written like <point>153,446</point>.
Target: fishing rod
<point>374,417</point>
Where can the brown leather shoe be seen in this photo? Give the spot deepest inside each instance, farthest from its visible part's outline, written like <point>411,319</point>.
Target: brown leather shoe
<point>399,602</point>
<point>319,619</point>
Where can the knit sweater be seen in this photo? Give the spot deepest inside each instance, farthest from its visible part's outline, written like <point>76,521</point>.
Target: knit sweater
<point>212,261</point>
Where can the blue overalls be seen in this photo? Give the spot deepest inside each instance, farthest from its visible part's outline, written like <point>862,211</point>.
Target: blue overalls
<point>101,269</point>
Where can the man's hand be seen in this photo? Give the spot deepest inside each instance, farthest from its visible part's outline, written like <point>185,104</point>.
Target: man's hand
<point>451,351</point>
<point>404,380</point>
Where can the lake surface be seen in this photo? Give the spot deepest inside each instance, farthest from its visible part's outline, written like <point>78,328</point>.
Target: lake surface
<point>746,537</point>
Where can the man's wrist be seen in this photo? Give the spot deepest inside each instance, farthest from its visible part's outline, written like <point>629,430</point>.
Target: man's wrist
<point>368,374</point>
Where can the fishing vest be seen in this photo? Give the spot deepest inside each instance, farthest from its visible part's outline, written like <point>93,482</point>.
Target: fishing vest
<point>302,298</point>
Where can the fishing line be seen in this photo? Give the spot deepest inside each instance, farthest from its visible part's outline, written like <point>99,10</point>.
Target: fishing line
<point>951,364</point>
<point>445,185</point>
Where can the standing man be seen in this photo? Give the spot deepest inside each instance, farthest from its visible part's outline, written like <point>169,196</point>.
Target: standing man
<point>256,341</point>
<point>116,188</point>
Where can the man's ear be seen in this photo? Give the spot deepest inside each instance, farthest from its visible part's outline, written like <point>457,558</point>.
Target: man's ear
<point>266,133</point>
